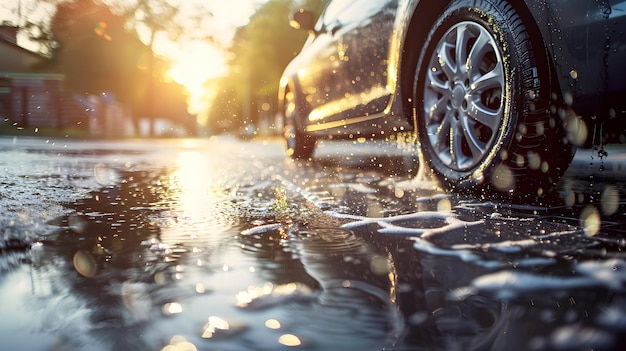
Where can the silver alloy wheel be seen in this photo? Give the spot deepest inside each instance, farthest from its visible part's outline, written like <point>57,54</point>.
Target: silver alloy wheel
<point>463,97</point>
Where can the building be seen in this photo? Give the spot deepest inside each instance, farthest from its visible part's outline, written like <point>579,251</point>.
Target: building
<point>31,98</point>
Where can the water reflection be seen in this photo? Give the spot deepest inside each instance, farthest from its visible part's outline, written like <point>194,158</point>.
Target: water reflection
<point>95,265</point>
<point>319,257</point>
<point>487,274</point>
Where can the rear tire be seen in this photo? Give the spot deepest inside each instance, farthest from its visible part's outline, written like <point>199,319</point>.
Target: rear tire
<point>484,103</point>
<point>299,144</point>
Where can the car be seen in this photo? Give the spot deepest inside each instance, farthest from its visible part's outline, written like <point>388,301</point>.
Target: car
<point>498,94</point>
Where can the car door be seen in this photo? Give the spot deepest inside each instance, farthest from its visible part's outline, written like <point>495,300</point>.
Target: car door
<point>318,63</point>
<point>363,30</point>
<point>351,77</point>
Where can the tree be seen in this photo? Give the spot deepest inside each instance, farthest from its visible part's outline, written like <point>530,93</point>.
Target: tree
<point>260,52</point>
<point>154,17</point>
<point>39,32</point>
<point>98,54</point>
<point>32,18</point>
<point>95,51</point>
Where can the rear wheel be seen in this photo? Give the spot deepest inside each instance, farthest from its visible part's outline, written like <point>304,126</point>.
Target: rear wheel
<point>299,144</point>
<point>483,100</point>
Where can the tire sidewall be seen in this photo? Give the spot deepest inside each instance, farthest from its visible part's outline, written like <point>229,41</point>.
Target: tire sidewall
<point>299,144</point>
<point>494,21</point>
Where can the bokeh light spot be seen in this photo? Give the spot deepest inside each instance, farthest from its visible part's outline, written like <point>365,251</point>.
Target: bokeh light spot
<point>379,265</point>
<point>272,324</point>
<point>172,308</point>
<point>217,327</point>
<point>85,264</point>
<point>576,129</point>
<point>610,200</point>
<point>444,205</point>
<point>214,324</point>
<point>590,220</point>
<point>502,178</point>
<point>289,340</point>
<point>179,343</point>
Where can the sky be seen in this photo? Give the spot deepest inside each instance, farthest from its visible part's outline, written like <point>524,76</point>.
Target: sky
<point>193,62</point>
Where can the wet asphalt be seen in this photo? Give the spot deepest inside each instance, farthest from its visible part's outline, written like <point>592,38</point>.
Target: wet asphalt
<point>224,243</point>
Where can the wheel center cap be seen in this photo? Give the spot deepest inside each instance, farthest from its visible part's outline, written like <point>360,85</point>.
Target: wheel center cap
<point>458,95</point>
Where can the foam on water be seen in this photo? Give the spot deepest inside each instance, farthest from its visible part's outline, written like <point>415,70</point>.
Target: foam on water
<point>510,260</point>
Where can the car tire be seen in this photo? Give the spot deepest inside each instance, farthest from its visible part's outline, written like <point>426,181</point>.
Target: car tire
<point>299,145</point>
<point>485,114</point>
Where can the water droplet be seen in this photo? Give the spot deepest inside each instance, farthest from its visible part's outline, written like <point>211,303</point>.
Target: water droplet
<point>105,175</point>
<point>574,74</point>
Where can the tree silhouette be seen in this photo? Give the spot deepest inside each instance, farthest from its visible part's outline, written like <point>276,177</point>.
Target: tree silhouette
<point>98,54</point>
<point>259,53</point>
<point>152,17</point>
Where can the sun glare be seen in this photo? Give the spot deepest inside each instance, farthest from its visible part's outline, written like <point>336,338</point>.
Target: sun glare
<point>196,63</point>
<point>193,66</point>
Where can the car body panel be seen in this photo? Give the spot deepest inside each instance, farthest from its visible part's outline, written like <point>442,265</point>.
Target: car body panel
<point>349,87</point>
<point>349,77</point>
<point>588,47</point>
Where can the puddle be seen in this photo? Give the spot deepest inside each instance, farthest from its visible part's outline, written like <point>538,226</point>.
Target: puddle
<point>258,255</point>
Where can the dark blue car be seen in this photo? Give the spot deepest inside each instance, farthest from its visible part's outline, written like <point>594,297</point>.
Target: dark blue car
<point>497,93</point>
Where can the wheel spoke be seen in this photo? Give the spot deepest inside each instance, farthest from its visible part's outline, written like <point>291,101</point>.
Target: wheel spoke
<point>456,144</point>
<point>481,47</point>
<point>437,84</point>
<point>438,109</point>
<point>477,147</point>
<point>490,80</point>
<point>483,115</point>
<point>440,138</point>
<point>446,62</point>
<point>463,35</point>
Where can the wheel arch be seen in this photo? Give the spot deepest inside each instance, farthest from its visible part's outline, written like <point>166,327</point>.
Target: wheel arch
<point>536,36</point>
<point>288,85</point>
<point>424,15</point>
<point>283,88</point>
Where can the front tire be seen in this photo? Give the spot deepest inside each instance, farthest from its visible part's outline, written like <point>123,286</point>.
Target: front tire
<point>483,98</point>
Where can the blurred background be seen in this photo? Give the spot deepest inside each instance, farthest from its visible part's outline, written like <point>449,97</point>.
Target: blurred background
<point>142,68</point>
